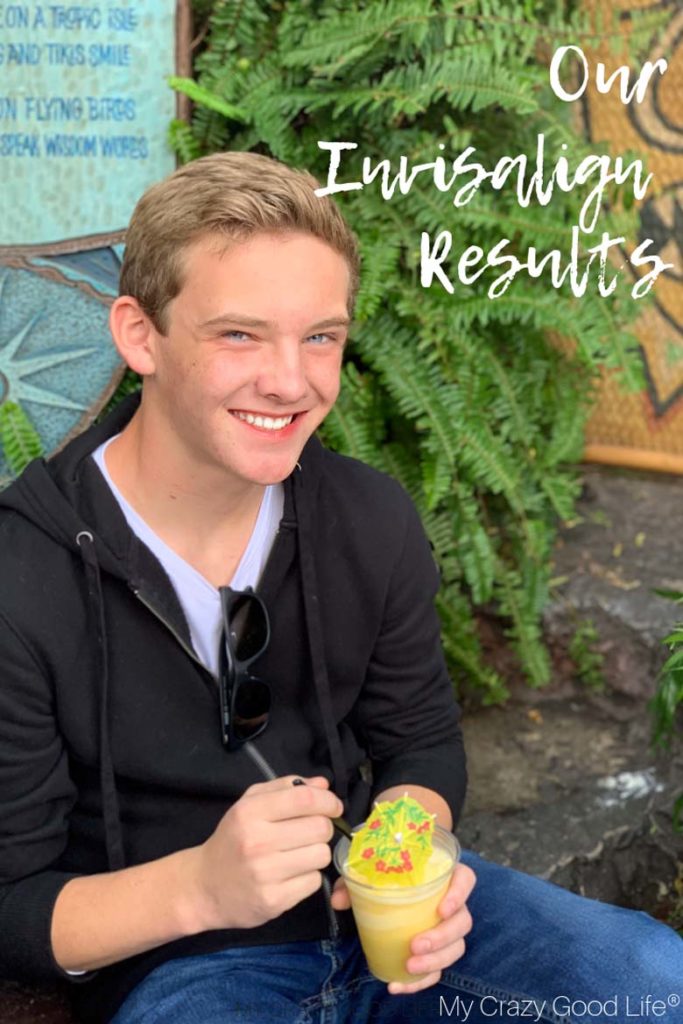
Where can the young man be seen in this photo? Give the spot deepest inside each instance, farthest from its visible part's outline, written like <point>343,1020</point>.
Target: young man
<point>154,851</point>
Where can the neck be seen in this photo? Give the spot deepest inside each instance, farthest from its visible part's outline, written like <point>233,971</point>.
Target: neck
<point>189,505</point>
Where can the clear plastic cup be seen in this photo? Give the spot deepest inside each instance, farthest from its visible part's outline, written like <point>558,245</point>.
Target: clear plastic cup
<point>389,917</point>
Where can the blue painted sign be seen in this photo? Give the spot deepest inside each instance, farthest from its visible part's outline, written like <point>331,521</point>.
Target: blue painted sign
<point>84,115</point>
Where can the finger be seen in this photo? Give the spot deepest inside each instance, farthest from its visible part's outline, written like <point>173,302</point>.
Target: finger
<point>405,988</point>
<point>439,959</point>
<point>287,894</point>
<point>318,781</point>
<point>340,896</point>
<point>292,833</point>
<point>458,892</point>
<point>444,934</point>
<point>315,800</point>
<point>288,864</point>
<point>286,782</point>
<point>278,804</point>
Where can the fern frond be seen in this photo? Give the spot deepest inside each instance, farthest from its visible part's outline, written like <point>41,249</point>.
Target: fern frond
<point>339,39</point>
<point>183,141</point>
<point>206,98</point>
<point>18,437</point>
<point>524,630</point>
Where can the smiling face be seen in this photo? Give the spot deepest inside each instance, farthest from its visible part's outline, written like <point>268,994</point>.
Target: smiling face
<point>250,364</point>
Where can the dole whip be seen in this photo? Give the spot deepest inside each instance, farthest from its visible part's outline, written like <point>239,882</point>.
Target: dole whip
<point>397,869</point>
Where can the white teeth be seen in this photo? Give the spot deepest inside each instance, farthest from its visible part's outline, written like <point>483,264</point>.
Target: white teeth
<point>267,422</point>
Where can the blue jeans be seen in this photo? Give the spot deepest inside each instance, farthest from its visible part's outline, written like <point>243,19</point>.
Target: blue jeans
<point>536,953</point>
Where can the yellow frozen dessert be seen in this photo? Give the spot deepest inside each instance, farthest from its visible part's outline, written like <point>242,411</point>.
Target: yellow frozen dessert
<point>397,870</point>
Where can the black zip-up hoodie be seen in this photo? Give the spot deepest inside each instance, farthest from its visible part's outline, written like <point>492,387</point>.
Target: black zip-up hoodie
<point>110,746</point>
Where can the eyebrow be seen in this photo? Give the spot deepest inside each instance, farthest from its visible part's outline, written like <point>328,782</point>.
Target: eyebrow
<point>250,321</point>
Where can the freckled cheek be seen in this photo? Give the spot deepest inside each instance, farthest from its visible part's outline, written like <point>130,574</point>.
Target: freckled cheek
<point>327,379</point>
<point>229,372</point>
<point>334,385</point>
<point>332,392</point>
<point>212,383</point>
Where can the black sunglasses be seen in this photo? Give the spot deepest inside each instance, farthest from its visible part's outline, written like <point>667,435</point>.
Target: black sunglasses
<point>244,699</point>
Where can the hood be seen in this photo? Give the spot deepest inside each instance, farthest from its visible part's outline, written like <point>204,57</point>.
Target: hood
<point>60,496</point>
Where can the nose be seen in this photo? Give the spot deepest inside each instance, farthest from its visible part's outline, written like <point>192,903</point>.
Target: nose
<point>282,375</point>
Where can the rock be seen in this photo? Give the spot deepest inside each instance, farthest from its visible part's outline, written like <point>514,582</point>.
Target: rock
<point>564,782</point>
<point>624,544</point>
<point>571,794</point>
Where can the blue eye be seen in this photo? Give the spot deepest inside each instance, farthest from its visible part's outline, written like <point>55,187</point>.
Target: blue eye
<point>320,338</point>
<point>235,335</point>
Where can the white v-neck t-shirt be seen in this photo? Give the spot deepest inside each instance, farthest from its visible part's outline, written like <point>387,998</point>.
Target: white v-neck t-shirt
<point>199,599</point>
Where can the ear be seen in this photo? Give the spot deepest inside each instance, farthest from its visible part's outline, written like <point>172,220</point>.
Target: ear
<point>134,334</point>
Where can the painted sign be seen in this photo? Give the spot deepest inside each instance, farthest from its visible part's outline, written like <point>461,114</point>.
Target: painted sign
<point>84,112</point>
<point>646,429</point>
<point>85,108</point>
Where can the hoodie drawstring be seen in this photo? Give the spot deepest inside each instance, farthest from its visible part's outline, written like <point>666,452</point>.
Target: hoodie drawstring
<point>110,800</point>
<point>321,679</point>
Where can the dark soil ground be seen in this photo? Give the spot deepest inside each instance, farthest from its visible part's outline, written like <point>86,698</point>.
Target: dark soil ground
<point>564,781</point>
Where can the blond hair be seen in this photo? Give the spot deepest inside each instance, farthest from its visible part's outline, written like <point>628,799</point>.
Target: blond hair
<point>230,194</point>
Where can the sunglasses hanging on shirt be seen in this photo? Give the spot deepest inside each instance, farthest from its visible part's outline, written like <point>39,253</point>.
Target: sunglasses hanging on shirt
<point>244,698</point>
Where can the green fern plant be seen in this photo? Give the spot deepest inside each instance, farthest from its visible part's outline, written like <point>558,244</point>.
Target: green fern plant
<point>465,400</point>
<point>19,439</point>
<point>588,659</point>
<point>129,383</point>
<point>667,702</point>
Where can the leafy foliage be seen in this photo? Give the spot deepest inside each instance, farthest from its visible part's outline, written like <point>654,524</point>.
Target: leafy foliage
<point>669,696</point>
<point>668,699</point>
<point>470,402</point>
<point>18,437</point>
<point>587,658</point>
<point>129,383</point>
